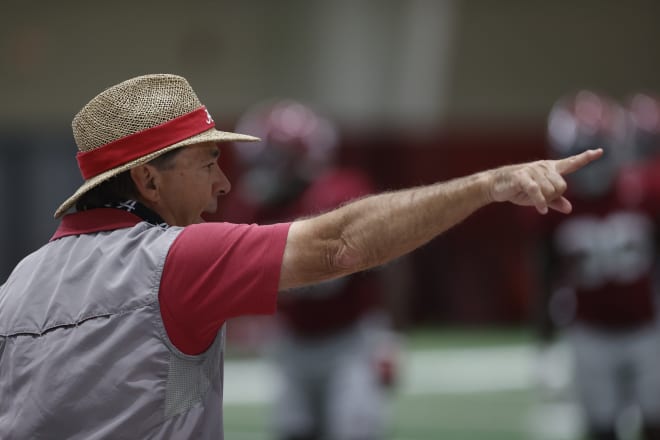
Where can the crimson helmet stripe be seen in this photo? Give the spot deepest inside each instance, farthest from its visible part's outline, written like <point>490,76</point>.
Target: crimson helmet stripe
<point>136,145</point>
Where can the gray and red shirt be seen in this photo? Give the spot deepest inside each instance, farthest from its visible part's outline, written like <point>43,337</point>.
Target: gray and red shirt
<point>115,328</point>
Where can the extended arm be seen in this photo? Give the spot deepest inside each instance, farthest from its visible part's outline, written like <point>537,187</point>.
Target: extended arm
<point>376,229</point>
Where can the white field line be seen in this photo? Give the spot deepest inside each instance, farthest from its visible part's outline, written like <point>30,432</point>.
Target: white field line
<point>458,371</point>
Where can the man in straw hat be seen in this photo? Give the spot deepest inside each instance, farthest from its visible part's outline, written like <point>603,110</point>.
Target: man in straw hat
<point>115,328</point>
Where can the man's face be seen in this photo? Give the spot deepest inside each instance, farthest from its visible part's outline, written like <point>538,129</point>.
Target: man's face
<point>192,185</point>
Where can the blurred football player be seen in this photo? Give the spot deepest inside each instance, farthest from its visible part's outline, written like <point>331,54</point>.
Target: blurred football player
<point>599,265</point>
<point>334,352</point>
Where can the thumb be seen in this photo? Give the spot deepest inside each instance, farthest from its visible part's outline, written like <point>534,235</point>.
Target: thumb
<point>562,205</point>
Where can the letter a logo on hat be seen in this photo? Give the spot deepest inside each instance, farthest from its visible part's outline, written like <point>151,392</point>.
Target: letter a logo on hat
<point>209,119</point>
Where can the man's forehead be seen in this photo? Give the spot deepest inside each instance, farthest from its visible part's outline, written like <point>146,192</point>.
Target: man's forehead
<point>204,150</point>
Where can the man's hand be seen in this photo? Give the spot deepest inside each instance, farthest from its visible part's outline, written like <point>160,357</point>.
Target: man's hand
<point>540,184</point>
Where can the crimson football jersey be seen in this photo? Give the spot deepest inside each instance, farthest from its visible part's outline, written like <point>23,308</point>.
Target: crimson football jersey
<point>604,252</point>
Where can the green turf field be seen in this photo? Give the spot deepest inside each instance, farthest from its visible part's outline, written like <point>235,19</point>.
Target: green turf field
<point>456,384</point>
<point>493,416</point>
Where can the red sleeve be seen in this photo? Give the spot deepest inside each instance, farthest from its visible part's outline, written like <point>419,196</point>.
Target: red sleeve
<point>216,271</point>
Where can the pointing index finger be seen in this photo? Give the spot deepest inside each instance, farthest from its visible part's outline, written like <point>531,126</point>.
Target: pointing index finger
<point>573,163</point>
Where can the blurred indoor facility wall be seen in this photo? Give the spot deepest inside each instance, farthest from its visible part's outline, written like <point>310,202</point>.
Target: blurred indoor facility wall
<point>422,90</point>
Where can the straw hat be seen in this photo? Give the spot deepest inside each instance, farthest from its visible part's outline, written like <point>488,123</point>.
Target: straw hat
<point>136,121</point>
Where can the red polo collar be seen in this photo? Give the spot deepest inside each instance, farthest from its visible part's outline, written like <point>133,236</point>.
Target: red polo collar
<point>95,220</point>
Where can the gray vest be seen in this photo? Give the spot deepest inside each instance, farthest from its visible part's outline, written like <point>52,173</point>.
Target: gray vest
<point>83,350</point>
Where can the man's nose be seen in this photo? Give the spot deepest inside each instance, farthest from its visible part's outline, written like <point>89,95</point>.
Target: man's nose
<point>225,184</point>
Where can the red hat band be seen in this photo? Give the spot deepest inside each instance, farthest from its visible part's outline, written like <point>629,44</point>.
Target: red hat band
<point>142,143</point>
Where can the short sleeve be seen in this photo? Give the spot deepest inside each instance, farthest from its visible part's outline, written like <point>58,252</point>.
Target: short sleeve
<point>216,271</point>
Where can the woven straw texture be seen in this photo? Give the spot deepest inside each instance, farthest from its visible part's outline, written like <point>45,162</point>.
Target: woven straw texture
<point>133,106</point>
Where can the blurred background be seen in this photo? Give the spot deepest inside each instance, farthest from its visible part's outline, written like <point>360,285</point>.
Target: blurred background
<point>420,90</point>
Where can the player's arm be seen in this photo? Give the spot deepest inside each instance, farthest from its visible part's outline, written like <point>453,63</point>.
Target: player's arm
<point>376,229</point>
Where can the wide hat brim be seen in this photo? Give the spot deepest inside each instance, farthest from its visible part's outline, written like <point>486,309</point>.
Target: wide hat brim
<point>211,135</point>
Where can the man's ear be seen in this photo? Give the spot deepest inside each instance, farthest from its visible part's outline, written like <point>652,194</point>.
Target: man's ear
<point>145,178</point>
